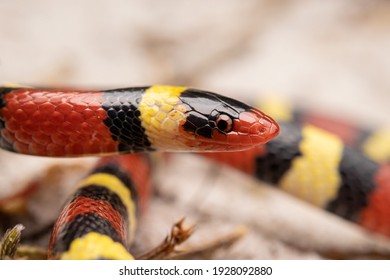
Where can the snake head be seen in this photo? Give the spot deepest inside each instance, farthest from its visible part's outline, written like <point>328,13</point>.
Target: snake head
<point>204,121</point>
<point>219,123</point>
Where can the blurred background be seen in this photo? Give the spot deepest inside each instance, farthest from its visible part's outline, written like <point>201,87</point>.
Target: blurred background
<point>328,56</point>
<point>324,53</point>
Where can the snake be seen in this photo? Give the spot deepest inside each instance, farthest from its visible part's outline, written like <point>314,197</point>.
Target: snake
<point>99,219</point>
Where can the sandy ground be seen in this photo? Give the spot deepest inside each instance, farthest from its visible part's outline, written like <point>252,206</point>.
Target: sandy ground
<point>328,56</point>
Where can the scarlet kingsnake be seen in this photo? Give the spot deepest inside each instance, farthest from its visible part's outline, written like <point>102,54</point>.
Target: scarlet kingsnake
<point>98,222</point>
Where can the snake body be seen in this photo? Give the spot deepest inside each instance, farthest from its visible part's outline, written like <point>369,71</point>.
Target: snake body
<point>332,165</point>
<point>99,220</point>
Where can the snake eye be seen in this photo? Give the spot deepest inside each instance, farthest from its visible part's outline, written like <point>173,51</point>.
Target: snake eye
<point>224,123</point>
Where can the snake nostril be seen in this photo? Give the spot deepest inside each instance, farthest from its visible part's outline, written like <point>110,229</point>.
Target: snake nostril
<point>256,129</point>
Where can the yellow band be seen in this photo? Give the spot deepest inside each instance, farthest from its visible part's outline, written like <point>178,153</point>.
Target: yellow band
<point>314,176</point>
<point>94,246</point>
<point>279,109</point>
<point>377,146</point>
<point>161,114</point>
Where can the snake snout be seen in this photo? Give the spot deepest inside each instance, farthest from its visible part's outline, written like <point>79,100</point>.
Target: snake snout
<point>260,127</point>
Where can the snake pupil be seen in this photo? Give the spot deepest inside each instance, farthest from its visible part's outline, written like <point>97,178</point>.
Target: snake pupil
<point>224,123</point>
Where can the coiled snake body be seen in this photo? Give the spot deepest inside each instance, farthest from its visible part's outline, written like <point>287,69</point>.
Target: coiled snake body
<point>330,164</point>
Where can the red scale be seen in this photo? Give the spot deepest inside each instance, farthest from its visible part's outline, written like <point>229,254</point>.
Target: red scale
<point>41,123</point>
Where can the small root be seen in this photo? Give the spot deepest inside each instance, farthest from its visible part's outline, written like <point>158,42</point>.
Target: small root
<point>178,235</point>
